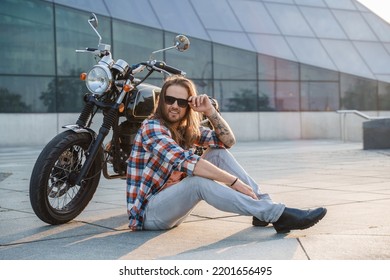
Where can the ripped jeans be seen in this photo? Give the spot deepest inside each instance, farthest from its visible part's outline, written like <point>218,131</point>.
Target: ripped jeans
<point>171,206</point>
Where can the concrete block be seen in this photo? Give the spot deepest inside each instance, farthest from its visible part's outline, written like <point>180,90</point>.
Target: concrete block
<point>376,134</point>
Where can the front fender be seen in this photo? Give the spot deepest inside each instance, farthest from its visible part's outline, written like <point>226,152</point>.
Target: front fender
<point>79,129</point>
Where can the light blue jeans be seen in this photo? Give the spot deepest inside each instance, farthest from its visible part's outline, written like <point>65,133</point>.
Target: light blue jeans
<point>171,206</point>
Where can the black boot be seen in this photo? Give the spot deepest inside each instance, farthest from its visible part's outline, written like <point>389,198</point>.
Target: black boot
<point>258,223</point>
<point>292,218</point>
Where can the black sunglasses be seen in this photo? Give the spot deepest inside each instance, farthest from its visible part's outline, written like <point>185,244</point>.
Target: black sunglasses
<point>183,103</point>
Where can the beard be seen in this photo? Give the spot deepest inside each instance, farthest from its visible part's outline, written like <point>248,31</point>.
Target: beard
<point>173,116</point>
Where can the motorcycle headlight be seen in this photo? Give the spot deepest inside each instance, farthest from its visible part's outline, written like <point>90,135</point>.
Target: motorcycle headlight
<point>99,79</point>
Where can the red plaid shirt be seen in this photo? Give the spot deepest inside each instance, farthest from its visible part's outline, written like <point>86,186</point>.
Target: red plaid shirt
<point>155,155</point>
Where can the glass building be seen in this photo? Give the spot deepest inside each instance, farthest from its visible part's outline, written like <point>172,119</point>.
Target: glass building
<point>251,55</point>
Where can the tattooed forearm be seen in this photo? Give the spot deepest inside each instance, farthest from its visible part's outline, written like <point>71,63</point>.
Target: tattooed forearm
<point>222,129</point>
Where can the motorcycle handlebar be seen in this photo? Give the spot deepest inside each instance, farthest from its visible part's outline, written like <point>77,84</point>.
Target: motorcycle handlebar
<point>170,69</point>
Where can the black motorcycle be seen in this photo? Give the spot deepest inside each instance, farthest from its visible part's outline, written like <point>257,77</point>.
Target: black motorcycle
<point>67,172</point>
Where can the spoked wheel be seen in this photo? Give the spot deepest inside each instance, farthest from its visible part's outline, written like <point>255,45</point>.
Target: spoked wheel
<point>54,196</point>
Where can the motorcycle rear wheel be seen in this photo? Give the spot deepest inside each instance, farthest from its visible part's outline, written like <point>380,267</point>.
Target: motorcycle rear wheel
<point>54,197</point>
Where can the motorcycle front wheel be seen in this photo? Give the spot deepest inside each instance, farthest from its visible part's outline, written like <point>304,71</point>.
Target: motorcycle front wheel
<point>54,196</point>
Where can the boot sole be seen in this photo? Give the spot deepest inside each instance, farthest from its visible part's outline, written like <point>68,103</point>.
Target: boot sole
<point>306,226</point>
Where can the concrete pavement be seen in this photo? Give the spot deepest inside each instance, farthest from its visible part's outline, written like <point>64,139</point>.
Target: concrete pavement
<point>353,184</point>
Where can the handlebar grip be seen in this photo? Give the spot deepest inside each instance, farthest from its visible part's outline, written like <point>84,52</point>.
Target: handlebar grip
<point>170,69</point>
<point>91,49</point>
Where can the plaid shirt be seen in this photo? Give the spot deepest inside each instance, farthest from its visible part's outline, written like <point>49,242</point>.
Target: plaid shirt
<point>153,158</point>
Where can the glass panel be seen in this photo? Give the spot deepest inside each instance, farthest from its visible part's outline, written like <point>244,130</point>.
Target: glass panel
<point>266,97</point>
<point>70,93</point>
<point>323,23</point>
<point>379,26</point>
<point>234,39</point>
<point>204,87</point>
<point>231,63</point>
<point>383,77</point>
<point>311,73</point>
<point>235,96</point>
<point>249,13</point>
<point>26,37</point>
<point>340,4</point>
<point>349,60</point>
<point>180,17</point>
<point>196,61</point>
<point>73,32</point>
<point>320,96</point>
<point>287,70</point>
<point>272,45</point>
<point>354,25</point>
<point>133,11</point>
<point>384,96</point>
<point>375,56</point>
<point>317,3</point>
<point>135,51</point>
<point>208,12</point>
<point>310,51</point>
<point>358,93</point>
<point>287,96</point>
<point>284,1</point>
<point>96,6</point>
<point>289,19</point>
<point>25,94</point>
<point>266,67</point>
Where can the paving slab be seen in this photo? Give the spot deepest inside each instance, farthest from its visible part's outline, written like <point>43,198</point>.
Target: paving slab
<point>354,185</point>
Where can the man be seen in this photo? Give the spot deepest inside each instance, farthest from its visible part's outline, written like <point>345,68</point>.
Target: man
<point>166,179</point>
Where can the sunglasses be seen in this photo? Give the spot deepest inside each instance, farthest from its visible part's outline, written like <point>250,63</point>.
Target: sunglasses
<point>183,103</point>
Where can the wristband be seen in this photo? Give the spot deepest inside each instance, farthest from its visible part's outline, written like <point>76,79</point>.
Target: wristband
<point>234,182</point>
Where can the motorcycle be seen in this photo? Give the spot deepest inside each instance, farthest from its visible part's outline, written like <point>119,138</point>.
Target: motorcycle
<point>68,170</point>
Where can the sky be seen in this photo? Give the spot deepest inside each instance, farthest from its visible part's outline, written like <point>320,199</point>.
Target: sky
<point>379,7</point>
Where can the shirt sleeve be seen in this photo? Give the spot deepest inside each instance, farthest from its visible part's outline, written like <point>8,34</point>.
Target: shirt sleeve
<point>157,140</point>
<point>208,138</point>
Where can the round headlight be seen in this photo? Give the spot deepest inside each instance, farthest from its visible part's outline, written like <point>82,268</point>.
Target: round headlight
<point>99,79</point>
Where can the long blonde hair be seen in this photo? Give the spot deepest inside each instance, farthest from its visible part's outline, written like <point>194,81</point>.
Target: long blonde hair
<point>188,130</point>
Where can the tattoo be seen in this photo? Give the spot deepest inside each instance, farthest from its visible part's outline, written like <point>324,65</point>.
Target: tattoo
<point>222,129</point>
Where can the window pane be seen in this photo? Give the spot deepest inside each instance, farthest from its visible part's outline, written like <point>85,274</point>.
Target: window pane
<point>319,96</point>
<point>231,63</point>
<point>249,13</point>
<point>267,67</point>
<point>134,11</point>
<point>318,3</point>
<point>208,10</point>
<point>337,4</point>
<point>375,56</point>
<point>26,37</point>
<point>266,96</point>
<point>70,93</point>
<point>73,32</point>
<point>178,16</point>
<point>358,93</point>
<point>287,96</point>
<point>96,6</point>
<point>323,23</point>
<point>196,61</point>
<point>384,96</point>
<point>348,61</point>
<point>25,94</point>
<point>310,51</point>
<point>354,25</point>
<point>311,73</point>
<point>289,19</point>
<point>234,96</point>
<point>287,70</point>
<point>136,50</point>
<point>273,45</point>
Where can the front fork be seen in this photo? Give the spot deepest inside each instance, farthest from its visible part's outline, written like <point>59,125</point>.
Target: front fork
<point>93,150</point>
